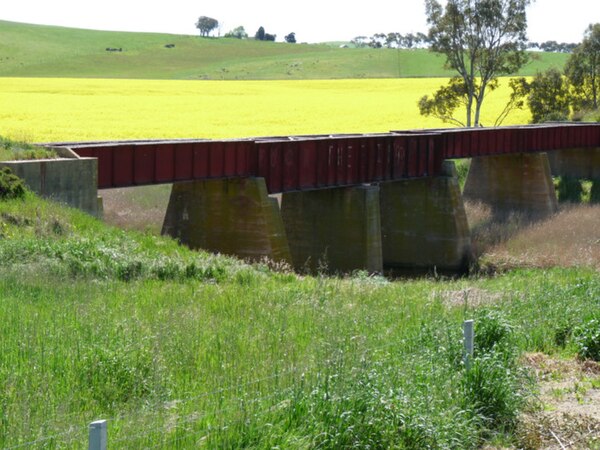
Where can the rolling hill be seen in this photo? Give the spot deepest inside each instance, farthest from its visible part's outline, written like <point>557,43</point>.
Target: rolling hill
<point>49,51</point>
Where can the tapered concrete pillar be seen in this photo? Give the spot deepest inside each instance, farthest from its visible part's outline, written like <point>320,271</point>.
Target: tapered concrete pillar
<point>337,230</point>
<point>513,183</point>
<point>230,216</point>
<point>424,225</point>
<point>575,162</point>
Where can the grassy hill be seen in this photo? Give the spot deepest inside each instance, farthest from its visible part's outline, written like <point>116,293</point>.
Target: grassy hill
<point>48,51</point>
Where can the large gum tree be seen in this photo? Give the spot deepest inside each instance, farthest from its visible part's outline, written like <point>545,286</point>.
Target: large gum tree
<point>482,40</point>
<point>583,70</point>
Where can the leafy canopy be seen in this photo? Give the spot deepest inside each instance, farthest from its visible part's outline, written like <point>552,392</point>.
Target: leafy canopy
<point>482,40</point>
<point>583,70</point>
<point>206,25</point>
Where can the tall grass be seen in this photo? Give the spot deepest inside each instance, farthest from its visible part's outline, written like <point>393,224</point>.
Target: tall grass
<point>237,356</point>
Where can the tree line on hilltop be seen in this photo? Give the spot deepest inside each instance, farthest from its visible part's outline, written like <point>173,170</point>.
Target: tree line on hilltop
<point>421,40</point>
<point>207,25</point>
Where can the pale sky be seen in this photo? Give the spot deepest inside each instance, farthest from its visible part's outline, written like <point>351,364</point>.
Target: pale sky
<point>311,20</point>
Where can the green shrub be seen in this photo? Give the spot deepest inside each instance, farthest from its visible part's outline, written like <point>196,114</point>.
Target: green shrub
<point>569,189</point>
<point>562,333</point>
<point>11,186</point>
<point>587,339</point>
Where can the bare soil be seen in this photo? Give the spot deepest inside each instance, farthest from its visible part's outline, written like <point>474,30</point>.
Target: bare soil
<point>568,412</point>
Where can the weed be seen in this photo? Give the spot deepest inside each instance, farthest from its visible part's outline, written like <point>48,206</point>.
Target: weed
<point>493,333</point>
<point>587,339</point>
<point>495,391</point>
<point>563,332</point>
<point>18,150</point>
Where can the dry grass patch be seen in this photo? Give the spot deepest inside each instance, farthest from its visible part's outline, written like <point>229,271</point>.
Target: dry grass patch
<point>140,208</point>
<point>570,238</point>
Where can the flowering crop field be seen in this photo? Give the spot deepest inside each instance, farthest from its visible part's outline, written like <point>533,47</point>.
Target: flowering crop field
<point>63,109</point>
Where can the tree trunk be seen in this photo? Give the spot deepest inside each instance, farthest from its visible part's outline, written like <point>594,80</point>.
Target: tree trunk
<point>469,109</point>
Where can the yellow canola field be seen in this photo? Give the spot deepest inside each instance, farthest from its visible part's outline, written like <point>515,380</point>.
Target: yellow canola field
<point>50,110</point>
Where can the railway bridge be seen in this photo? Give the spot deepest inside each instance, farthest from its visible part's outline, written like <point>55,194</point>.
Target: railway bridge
<point>349,202</point>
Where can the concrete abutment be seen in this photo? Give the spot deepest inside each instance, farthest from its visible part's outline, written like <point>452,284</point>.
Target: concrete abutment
<point>71,181</point>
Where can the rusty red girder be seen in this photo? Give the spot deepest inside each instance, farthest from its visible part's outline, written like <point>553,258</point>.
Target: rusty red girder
<point>312,162</point>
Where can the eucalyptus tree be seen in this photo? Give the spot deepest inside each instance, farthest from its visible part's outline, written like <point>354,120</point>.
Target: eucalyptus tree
<point>482,40</point>
<point>583,70</point>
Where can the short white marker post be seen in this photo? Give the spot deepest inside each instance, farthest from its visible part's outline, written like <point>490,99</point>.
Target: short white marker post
<point>98,435</point>
<point>469,337</point>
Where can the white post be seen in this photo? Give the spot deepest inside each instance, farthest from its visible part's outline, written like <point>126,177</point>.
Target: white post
<point>98,435</point>
<point>469,338</point>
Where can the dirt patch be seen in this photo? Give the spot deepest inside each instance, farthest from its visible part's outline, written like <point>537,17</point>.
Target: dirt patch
<point>568,415</point>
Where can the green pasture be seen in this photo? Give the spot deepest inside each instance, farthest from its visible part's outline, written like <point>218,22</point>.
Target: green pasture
<point>46,51</point>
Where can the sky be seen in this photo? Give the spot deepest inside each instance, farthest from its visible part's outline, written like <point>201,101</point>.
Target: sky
<point>311,20</point>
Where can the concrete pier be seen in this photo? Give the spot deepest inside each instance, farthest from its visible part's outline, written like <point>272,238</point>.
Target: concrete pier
<point>334,230</point>
<point>231,216</point>
<point>424,225</point>
<point>519,183</point>
<point>575,162</point>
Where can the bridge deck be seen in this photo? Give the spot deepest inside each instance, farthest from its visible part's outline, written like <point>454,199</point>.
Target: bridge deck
<point>294,163</point>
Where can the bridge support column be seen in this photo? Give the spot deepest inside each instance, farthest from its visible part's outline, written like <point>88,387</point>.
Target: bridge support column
<point>576,163</point>
<point>336,230</point>
<point>231,216</point>
<point>513,183</point>
<point>424,225</point>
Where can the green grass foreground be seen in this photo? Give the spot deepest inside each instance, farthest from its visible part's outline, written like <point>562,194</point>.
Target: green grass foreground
<point>47,51</point>
<point>182,349</point>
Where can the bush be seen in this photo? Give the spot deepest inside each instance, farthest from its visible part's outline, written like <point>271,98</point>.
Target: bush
<point>11,186</point>
<point>569,190</point>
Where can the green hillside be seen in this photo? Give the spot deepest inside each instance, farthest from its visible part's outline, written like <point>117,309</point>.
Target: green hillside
<point>48,51</point>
